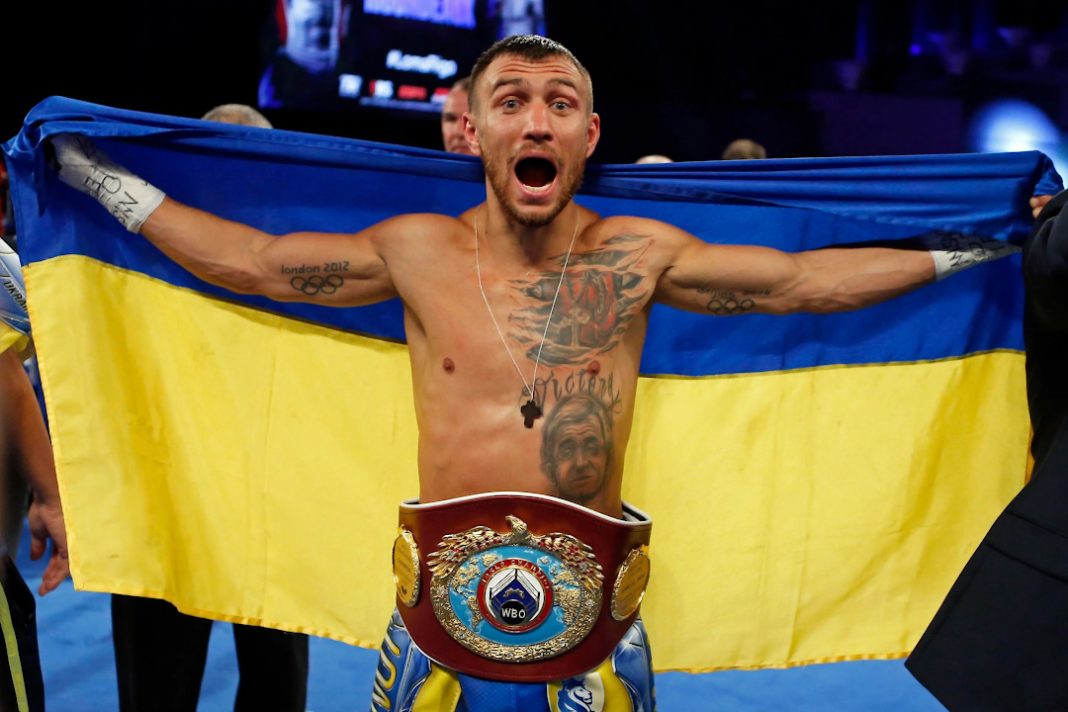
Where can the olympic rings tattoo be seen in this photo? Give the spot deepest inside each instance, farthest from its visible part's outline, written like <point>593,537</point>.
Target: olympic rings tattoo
<point>317,284</point>
<point>729,306</point>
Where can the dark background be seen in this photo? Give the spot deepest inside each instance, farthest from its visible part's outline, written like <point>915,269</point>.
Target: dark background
<point>676,78</point>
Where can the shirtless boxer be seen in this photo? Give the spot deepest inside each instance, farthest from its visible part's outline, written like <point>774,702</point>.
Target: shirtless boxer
<point>504,305</point>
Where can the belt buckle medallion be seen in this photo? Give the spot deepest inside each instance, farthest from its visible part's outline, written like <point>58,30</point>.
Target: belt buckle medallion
<point>515,596</point>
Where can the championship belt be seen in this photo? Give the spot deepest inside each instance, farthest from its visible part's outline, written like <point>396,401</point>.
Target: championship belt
<point>517,586</point>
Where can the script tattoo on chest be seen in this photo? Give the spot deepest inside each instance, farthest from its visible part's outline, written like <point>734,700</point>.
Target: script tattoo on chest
<point>554,387</point>
<point>600,294</point>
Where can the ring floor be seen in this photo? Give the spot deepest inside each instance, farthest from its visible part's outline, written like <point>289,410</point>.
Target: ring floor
<point>74,630</point>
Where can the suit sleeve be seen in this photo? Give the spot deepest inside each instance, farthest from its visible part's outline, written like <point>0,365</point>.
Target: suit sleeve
<point>1045,265</point>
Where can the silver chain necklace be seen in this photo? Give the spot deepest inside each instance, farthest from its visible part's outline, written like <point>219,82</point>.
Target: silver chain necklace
<point>531,410</point>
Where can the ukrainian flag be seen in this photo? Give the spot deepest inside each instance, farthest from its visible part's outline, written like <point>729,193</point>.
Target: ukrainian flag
<point>817,481</point>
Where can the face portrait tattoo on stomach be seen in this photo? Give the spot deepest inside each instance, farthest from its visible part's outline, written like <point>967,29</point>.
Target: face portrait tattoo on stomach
<point>576,450</point>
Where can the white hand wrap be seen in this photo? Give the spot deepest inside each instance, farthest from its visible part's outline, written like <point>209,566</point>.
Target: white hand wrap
<point>953,252</point>
<point>85,167</point>
<point>13,295</point>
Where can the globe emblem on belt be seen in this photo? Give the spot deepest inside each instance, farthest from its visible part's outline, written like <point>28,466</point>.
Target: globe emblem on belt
<point>514,595</point>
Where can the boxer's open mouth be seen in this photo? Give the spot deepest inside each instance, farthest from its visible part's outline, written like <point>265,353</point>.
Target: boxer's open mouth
<point>536,174</point>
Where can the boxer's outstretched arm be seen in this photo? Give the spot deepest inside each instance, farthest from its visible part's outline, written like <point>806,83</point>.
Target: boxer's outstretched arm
<point>322,268</point>
<point>332,269</point>
<point>730,279</point>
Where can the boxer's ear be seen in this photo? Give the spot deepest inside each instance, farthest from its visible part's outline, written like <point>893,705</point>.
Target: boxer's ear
<point>471,133</point>
<point>593,134</point>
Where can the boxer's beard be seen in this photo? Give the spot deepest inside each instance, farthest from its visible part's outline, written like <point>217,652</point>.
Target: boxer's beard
<point>501,176</point>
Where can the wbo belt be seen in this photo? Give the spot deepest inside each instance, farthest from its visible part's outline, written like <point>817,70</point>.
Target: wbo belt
<point>517,586</point>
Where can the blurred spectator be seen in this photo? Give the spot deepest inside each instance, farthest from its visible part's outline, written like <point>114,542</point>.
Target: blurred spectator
<point>313,33</point>
<point>518,17</point>
<point>654,158</point>
<point>452,114</point>
<point>304,71</point>
<point>239,114</point>
<point>7,225</point>
<point>25,459</point>
<point>743,148</point>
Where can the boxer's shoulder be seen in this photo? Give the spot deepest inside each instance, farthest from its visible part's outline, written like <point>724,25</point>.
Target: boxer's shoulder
<point>655,240</point>
<point>615,225</point>
<point>427,230</point>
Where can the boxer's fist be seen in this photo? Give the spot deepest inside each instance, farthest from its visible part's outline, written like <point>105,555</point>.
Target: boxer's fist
<point>84,167</point>
<point>1037,203</point>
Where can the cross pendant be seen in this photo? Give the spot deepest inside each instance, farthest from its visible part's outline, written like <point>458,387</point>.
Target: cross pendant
<point>530,412</point>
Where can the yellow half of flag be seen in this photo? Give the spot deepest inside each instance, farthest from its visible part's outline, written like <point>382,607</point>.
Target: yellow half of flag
<point>246,467</point>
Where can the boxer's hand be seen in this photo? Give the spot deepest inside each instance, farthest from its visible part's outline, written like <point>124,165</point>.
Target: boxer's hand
<point>1038,202</point>
<point>46,523</point>
<point>953,252</point>
<point>86,168</point>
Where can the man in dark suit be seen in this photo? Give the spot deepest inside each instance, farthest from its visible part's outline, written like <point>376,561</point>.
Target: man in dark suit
<point>1000,639</point>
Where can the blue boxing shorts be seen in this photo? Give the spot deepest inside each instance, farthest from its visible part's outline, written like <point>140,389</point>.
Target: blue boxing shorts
<point>408,681</point>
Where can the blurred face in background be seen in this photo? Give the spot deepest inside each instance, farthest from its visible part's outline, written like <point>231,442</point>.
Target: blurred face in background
<point>453,138</point>
<point>313,33</point>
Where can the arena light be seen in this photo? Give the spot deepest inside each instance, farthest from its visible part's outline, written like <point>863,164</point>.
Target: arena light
<point>1016,125</point>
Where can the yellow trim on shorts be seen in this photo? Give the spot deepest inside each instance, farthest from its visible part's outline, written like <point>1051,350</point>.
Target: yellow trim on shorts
<point>14,660</point>
<point>616,697</point>
<point>439,693</point>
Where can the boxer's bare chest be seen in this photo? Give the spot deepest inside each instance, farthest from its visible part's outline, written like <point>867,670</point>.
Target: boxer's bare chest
<point>531,373</point>
<point>566,314</point>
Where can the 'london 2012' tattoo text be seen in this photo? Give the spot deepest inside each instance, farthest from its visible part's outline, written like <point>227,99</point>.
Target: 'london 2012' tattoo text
<point>314,279</point>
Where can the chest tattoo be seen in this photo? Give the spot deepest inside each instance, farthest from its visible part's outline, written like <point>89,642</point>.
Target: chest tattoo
<point>601,292</point>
